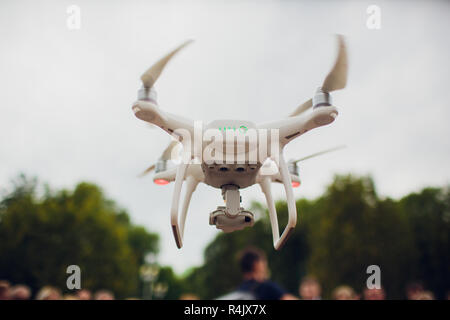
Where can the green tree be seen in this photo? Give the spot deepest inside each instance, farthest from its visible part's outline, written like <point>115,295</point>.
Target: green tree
<point>429,215</point>
<point>41,236</point>
<point>338,235</point>
<point>356,229</point>
<point>175,285</point>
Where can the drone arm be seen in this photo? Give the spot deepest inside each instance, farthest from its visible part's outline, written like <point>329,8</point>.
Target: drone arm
<point>279,241</point>
<point>276,177</point>
<point>293,127</point>
<point>191,184</point>
<point>172,124</point>
<point>168,175</point>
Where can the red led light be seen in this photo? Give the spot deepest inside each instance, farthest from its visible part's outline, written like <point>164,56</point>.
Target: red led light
<point>161,182</point>
<point>295,184</point>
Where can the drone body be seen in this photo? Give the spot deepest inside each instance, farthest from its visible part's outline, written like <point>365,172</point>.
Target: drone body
<point>232,154</point>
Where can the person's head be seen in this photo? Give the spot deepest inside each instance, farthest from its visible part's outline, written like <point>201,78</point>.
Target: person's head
<point>104,295</point>
<point>4,290</point>
<point>84,294</point>
<point>253,264</point>
<point>189,296</point>
<point>48,293</point>
<point>20,292</point>
<point>413,290</point>
<point>344,293</point>
<point>71,297</point>
<point>425,295</point>
<point>374,294</point>
<point>310,288</point>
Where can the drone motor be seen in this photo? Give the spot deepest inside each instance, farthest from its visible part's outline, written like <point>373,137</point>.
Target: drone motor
<point>161,165</point>
<point>147,94</point>
<point>321,99</point>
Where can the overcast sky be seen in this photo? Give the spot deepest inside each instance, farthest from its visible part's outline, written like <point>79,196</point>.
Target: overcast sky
<point>66,95</point>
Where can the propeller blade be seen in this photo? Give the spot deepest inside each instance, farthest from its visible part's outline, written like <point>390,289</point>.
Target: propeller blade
<point>167,153</point>
<point>337,78</point>
<point>148,170</point>
<point>152,74</point>
<point>320,153</point>
<point>302,108</point>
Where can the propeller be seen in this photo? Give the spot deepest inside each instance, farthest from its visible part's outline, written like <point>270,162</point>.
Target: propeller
<point>148,170</point>
<point>319,153</point>
<point>152,74</point>
<point>335,80</point>
<point>166,155</point>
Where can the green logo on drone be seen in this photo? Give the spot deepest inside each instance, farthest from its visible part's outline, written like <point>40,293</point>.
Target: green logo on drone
<point>242,129</point>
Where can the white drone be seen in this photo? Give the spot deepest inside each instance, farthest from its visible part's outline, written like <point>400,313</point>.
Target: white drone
<point>244,162</point>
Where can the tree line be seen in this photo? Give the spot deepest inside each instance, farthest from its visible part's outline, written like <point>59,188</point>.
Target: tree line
<point>339,234</point>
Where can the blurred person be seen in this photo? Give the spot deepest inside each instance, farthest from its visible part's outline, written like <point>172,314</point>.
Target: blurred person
<point>49,293</point>
<point>20,292</point>
<point>310,289</point>
<point>70,297</point>
<point>374,294</point>
<point>5,288</point>
<point>255,274</point>
<point>189,296</point>
<point>425,295</point>
<point>84,294</point>
<point>104,295</point>
<point>413,290</point>
<point>344,293</point>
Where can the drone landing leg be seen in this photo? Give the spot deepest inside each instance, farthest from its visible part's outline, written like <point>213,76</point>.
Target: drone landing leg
<point>266,189</point>
<point>191,185</point>
<point>181,171</point>
<point>278,241</point>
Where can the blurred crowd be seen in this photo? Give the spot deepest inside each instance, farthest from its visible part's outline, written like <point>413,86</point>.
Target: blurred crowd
<point>255,285</point>
<point>309,289</point>
<point>23,292</point>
